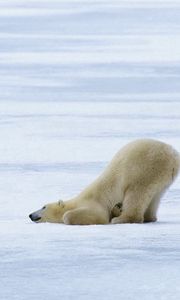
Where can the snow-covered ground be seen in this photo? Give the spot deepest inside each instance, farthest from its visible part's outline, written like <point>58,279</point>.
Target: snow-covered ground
<point>78,80</point>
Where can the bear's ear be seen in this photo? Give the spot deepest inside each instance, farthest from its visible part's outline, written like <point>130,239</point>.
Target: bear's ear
<point>61,203</point>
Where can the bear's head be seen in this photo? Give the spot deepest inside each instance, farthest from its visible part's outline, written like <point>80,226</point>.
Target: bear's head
<point>52,213</point>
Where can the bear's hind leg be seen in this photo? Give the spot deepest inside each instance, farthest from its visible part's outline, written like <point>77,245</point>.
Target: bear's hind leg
<point>134,205</point>
<point>116,210</point>
<point>151,212</point>
<point>85,216</point>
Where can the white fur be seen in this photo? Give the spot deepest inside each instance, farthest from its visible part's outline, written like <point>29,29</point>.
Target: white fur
<point>137,177</point>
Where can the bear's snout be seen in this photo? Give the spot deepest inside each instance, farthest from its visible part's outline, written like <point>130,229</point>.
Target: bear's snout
<point>34,217</point>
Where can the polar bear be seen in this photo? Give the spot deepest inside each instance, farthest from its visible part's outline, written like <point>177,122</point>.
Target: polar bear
<point>128,191</point>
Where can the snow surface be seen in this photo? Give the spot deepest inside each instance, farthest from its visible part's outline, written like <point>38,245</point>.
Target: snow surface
<point>78,80</point>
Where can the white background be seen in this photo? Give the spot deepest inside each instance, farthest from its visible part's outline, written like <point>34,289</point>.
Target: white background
<point>78,80</point>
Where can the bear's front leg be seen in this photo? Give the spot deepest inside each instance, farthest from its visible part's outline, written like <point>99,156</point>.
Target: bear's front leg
<point>84,216</point>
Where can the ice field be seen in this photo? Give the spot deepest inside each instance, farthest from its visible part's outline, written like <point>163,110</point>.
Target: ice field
<point>78,80</point>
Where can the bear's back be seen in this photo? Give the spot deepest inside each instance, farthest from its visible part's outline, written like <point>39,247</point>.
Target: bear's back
<point>144,161</point>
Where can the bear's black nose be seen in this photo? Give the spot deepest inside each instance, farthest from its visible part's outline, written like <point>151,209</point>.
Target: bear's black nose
<point>34,217</point>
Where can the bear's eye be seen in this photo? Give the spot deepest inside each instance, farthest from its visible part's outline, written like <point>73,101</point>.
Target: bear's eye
<point>44,207</point>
